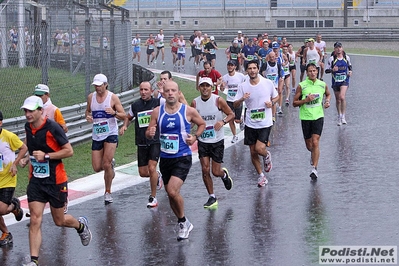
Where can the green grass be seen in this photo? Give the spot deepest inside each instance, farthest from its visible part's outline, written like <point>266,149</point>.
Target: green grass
<point>79,165</point>
<point>19,83</point>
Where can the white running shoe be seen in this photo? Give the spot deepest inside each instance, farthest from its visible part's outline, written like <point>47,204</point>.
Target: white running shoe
<point>184,230</point>
<point>152,202</point>
<point>262,181</point>
<point>313,174</point>
<point>108,198</point>
<point>160,181</point>
<point>339,122</point>
<point>267,162</point>
<point>242,124</point>
<point>235,139</point>
<point>343,120</point>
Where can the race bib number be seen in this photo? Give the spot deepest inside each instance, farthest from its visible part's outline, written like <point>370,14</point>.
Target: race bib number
<point>258,115</point>
<point>264,60</point>
<point>272,77</point>
<point>286,69</point>
<point>1,162</point>
<point>151,47</point>
<point>169,143</point>
<point>340,77</point>
<point>212,51</point>
<point>160,43</point>
<point>209,133</point>
<point>143,118</point>
<point>41,169</point>
<point>180,49</point>
<point>292,62</point>
<point>101,128</point>
<point>312,61</point>
<point>315,102</point>
<point>232,92</point>
<point>250,57</point>
<point>233,56</point>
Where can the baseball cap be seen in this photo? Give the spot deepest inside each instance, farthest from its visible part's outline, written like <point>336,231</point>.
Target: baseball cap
<point>337,44</point>
<point>41,89</point>
<point>265,34</point>
<point>32,103</point>
<point>275,45</point>
<point>231,62</point>
<point>239,31</point>
<point>265,41</point>
<point>306,40</point>
<point>205,80</point>
<point>310,40</point>
<point>212,38</point>
<point>235,41</point>
<point>1,116</point>
<point>99,79</point>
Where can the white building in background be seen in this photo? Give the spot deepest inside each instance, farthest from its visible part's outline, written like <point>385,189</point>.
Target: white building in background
<point>268,13</point>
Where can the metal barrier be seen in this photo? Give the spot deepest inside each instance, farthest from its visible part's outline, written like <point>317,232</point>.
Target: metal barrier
<point>79,130</point>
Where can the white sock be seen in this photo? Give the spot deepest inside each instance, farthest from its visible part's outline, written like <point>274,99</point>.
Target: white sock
<point>212,195</point>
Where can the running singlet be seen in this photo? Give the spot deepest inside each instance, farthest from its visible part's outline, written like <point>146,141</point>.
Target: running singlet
<point>211,114</point>
<point>104,124</point>
<point>292,58</point>
<point>271,73</point>
<point>312,57</point>
<point>182,47</point>
<point>312,110</point>
<point>232,83</point>
<point>173,130</point>
<point>160,40</point>
<point>340,77</point>
<point>9,143</point>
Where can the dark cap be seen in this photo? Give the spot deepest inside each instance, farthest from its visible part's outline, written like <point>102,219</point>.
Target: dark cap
<point>337,44</point>
<point>231,62</point>
<point>1,116</point>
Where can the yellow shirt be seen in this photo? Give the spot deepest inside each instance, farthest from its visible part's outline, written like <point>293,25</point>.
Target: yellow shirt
<point>9,143</point>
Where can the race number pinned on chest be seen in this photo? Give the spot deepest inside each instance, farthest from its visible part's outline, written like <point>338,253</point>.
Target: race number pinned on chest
<point>209,133</point>
<point>258,115</point>
<point>340,77</point>
<point>101,128</point>
<point>169,143</point>
<point>143,118</point>
<point>41,169</point>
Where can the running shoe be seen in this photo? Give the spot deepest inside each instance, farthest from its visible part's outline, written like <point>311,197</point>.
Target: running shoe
<point>108,198</point>
<point>235,139</point>
<point>160,181</point>
<point>85,235</point>
<point>18,212</point>
<point>293,90</point>
<point>267,162</point>
<point>339,122</point>
<point>287,102</point>
<point>279,110</point>
<point>274,119</point>
<point>262,181</point>
<point>6,239</point>
<point>155,61</point>
<point>227,181</point>
<point>343,120</point>
<point>152,202</point>
<point>184,230</point>
<point>242,124</point>
<point>313,174</point>
<point>113,166</point>
<point>212,202</point>
<point>31,263</point>
<point>163,62</point>
<point>66,206</point>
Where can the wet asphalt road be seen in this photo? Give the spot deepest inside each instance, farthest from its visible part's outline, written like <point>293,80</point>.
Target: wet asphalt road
<point>354,202</point>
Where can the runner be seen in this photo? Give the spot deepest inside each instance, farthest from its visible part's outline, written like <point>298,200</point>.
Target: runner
<point>103,110</point>
<point>231,81</point>
<point>287,74</point>
<point>150,43</point>
<point>339,64</point>
<point>292,68</point>
<point>136,42</point>
<point>160,46</point>
<point>312,55</point>
<point>174,44</point>
<point>212,73</point>
<point>181,53</point>
<point>211,143</point>
<point>147,150</point>
<point>9,144</point>
<point>48,182</point>
<point>259,95</point>
<point>173,120</point>
<point>309,97</point>
<point>302,63</point>
<point>322,47</point>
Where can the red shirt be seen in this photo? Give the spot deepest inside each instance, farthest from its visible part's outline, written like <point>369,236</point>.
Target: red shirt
<point>214,75</point>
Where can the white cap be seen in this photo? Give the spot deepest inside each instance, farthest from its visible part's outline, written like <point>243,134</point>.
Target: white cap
<point>239,31</point>
<point>235,41</point>
<point>32,103</point>
<point>41,89</point>
<point>205,80</point>
<point>99,80</point>
<point>212,38</point>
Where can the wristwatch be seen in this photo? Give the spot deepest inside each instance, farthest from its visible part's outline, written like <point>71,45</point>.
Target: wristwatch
<point>47,156</point>
<point>116,112</point>
<point>224,121</point>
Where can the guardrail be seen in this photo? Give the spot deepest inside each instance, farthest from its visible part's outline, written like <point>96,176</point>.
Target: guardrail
<point>79,130</point>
